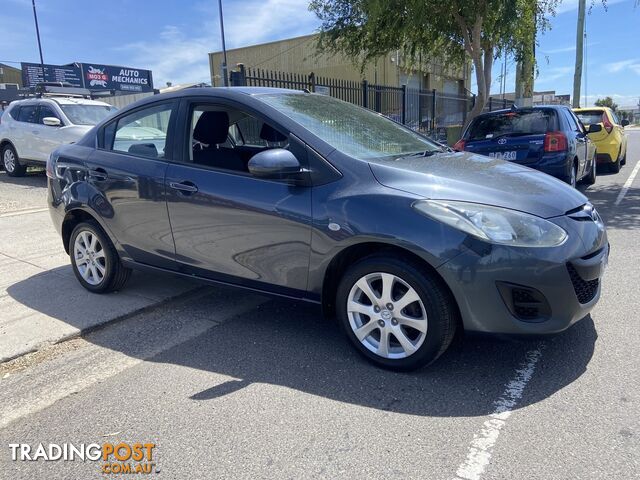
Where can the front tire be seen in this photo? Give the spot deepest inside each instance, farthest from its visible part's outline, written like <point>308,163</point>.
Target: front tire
<point>396,314</point>
<point>11,162</point>
<point>94,259</point>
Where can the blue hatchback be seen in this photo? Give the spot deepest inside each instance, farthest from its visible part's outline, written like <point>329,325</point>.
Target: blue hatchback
<point>548,138</point>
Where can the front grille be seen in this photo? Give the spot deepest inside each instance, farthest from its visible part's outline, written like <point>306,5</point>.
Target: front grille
<point>585,289</point>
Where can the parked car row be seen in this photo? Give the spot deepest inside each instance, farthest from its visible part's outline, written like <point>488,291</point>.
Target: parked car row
<point>309,197</point>
<point>567,144</point>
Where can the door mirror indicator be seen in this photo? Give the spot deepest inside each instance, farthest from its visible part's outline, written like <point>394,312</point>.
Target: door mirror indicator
<point>51,121</point>
<point>594,127</point>
<point>276,163</point>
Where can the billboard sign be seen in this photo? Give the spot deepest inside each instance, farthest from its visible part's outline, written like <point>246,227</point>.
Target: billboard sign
<point>109,77</point>
<point>32,74</point>
<point>90,75</point>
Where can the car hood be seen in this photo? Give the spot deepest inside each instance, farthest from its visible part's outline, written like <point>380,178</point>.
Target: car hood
<point>473,178</point>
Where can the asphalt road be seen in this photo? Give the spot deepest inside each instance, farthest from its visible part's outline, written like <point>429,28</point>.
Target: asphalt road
<point>234,385</point>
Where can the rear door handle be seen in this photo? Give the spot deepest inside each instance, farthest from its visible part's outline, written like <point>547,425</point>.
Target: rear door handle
<point>35,132</point>
<point>186,187</point>
<point>99,174</point>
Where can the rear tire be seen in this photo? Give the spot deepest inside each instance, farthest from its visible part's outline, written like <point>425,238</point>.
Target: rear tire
<point>415,325</point>
<point>11,162</point>
<point>94,259</point>
<point>615,166</point>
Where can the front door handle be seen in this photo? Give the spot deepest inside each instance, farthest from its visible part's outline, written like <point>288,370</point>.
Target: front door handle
<point>185,187</point>
<point>99,174</point>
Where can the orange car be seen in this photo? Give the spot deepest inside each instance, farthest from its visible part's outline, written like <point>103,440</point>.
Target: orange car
<point>611,141</point>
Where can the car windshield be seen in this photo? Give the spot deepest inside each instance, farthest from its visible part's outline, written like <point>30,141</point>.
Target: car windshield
<point>589,117</point>
<point>514,123</point>
<point>353,130</point>
<point>87,114</point>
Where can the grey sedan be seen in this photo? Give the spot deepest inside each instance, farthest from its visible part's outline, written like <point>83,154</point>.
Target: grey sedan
<point>312,198</point>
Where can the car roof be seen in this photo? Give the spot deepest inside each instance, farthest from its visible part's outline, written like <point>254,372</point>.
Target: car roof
<point>224,92</point>
<point>59,101</point>
<point>590,109</point>
<point>521,109</point>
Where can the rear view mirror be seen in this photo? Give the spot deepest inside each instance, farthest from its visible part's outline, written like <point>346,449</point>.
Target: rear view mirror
<point>594,127</point>
<point>51,121</point>
<point>624,123</point>
<point>276,163</point>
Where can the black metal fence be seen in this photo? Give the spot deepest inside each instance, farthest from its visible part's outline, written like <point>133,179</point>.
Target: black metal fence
<point>428,111</point>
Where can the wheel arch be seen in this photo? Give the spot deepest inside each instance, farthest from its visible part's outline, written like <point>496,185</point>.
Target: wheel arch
<point>73,218</point>
<point>353,253</point>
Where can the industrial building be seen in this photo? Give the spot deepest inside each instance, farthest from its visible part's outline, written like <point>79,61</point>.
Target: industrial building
<point>10,83</point>
<point>300,56</point>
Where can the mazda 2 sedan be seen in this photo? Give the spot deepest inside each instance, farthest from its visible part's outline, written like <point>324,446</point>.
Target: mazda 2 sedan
<point>308,197</point>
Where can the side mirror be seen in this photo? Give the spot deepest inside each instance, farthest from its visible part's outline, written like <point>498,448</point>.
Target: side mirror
<point>624,122</point>
<point>276,163</point>
<point>594,127</point>
<point>51,121</point>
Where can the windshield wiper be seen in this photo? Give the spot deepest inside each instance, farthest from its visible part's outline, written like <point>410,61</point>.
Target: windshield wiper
<point>426,153</point>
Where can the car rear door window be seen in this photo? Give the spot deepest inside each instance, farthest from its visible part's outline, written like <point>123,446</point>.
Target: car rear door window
<point>143,132</point>
<point>574,123</point>
<point>15,112</point>
<point>28,114</point>
<point>515,123</point>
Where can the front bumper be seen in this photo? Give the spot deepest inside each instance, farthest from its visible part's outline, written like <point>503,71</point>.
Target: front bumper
<point>496,289</point>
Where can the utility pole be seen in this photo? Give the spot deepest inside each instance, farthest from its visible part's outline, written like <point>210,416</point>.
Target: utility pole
<point>577,74</point>
<point>35,17</point>
<point>225,77</point>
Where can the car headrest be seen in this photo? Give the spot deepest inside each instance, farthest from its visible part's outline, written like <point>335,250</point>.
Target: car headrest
<point>212,128</point>
<point>144,149</point>
<point>270,134</point>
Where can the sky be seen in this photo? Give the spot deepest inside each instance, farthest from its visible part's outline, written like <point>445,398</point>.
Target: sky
<point>172,38</point>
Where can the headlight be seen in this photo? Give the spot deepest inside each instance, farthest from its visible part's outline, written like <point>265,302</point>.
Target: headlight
<point>494,224</point>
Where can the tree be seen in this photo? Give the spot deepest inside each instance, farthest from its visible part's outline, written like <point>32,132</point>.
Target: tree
<point>606,102</point>
<point>450,30</point>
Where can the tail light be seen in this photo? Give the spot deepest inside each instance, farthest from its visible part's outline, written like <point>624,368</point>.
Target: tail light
<point>459,145</point>
<point>555,142</point>
<point>608,126</point>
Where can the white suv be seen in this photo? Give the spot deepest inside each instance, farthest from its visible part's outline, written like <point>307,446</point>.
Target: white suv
<point>31,129</point>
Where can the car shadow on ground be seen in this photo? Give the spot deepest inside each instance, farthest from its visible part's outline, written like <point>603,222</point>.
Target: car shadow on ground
<point>290,344</point>
<point>615,217</point>
<point>35,177</point>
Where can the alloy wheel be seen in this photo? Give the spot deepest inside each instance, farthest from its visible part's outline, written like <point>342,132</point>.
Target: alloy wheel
<point>90,257</point>
<point>9,160</point>
<point>387,315</point>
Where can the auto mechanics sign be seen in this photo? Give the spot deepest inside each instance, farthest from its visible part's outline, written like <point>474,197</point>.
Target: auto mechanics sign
<point>109,77</point>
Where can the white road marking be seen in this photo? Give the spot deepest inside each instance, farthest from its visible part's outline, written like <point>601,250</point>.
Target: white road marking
<point>481,448</point>
<point>627,184</point>
<point>25,211</point>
